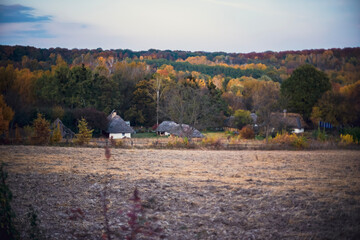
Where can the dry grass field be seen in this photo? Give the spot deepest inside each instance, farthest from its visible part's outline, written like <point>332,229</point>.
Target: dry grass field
<point>190,194</point>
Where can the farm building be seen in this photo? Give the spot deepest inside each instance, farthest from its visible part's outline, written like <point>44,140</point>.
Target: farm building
<point>172,128</point>
<point>117,127</point>
<point>294,121</point>
<point>66,133</point>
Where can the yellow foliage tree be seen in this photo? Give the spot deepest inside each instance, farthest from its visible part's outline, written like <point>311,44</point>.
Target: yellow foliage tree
<point>41,130</point>
<point>85,134</point>
<point>56,136</point>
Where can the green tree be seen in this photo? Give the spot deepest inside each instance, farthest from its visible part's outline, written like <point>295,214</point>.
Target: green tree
<point>242,118</point>
<point>143,106</point>
<point>107,95</point>
<point>85,134</point>
<point>80,87</point>
<point>303,89</point>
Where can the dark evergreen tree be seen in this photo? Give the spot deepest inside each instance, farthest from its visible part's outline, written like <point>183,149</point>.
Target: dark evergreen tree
<point>303,88</point>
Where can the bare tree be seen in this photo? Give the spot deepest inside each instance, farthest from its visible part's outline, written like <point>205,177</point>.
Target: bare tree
<point>186,104</point>
<point>265,102</point>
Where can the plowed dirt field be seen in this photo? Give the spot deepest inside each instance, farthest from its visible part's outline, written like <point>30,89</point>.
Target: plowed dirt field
<point>189,194</point>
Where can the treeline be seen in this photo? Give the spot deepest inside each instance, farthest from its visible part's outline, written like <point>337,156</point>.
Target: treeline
<point>208,70</point>
<point>194,89</point>
<point>342,65</point>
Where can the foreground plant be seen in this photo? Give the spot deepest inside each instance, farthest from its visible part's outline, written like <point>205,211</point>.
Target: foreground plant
<point>7,228</point>
<point>137,223</point>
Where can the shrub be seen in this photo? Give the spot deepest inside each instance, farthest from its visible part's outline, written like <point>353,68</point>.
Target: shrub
<point>214,142</point>
<point>354,132</point>
<point>179,142</point>
<point>320,135</point>
<point>117,143</point>
<point>259,137</point>
<point>41,130</point>
<point>85,134</point>
<point>300,142</point>
<point>247,132</point>
<point>346,139</point>
<point>7,229</point>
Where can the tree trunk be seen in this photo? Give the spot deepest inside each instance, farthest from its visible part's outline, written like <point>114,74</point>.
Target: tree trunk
<point>157,107</point>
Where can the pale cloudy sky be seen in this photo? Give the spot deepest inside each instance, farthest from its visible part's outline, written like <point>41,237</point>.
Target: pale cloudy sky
<point>204,25</point>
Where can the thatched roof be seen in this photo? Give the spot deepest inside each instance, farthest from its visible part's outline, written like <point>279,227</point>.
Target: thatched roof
<point>65,132</point>
<point>177,130</point>
<point>253,117</point>
<point>166,126</point>
<point>117,124</point>
<point>292,120</point>
<point>186,130</point>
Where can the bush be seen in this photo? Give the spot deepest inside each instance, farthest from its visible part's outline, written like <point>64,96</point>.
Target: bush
<point>320,135</point>
<point>354,132</point>
<point>259,137</point>
<point>346,139</point>
<point>212,142</point>
<point>117,142</point>
<point>247,132</point>
<point>179,142</point>
<point>300,142</point>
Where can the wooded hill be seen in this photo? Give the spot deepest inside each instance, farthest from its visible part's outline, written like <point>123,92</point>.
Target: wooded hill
<point>145,86</point>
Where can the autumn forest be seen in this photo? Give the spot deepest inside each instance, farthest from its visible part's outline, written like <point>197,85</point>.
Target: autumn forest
<point>197,88</point>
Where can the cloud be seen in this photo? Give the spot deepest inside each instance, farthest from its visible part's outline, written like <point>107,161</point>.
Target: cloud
<point>19,14</point>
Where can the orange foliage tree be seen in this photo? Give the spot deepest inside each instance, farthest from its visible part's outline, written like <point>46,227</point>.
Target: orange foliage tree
<point>6,115</point>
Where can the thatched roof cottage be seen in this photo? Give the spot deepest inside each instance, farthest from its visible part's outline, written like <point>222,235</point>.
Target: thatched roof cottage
<point>117,127</point>
<point>288,120</point>
<point>65,132</point>
<point>165,128</point>
<point>172,128</point>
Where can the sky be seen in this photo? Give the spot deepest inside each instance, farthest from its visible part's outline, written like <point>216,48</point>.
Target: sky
<point>192,25</point>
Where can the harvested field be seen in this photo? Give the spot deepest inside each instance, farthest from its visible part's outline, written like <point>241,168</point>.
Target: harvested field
<point>190,194</point>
